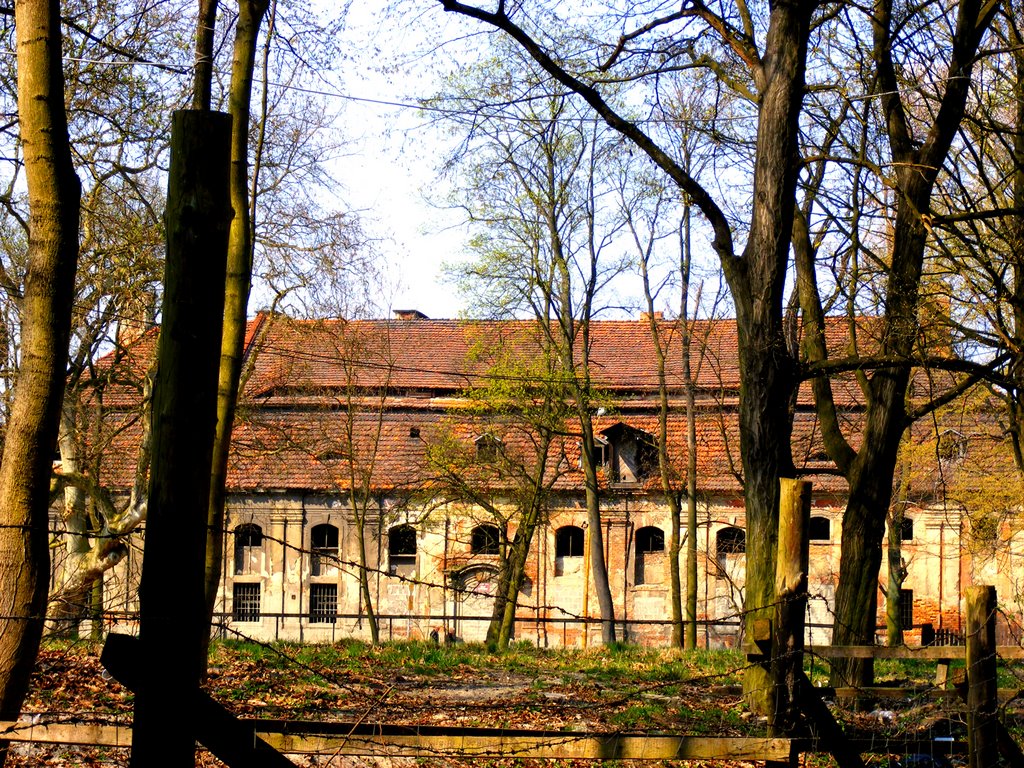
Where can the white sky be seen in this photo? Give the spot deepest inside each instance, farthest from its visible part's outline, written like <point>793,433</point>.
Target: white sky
<point>394,154</point>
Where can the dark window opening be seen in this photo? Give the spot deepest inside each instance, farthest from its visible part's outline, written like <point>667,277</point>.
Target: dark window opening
<point>650,555</point>
<point>633,454</point>
<point>731,541</point>
<point>246,602</point>
<point>569,541</point>
<point>484,540</point>
<point>323,603</point>
<point>414,431</point>
<point>906,529</point>
<point>324,549</point>
<point>402,550</point>
<point>952,446</point>
<point>819,529</point>
<point>248,544</point>
<point>650,539</point>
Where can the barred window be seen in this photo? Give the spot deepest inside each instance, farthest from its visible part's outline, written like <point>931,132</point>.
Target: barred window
<point>246,602</point>
<point>402,550</point>
<point>906,608</point>
<point>323,603</point>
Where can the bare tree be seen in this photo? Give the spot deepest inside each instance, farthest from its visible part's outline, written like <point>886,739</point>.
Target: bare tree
<point>772,71</point>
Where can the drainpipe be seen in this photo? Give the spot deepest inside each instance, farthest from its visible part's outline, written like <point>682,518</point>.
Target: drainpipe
<point>302,563</point>
<point>444,575</point>
<point>942,555</point>
<point>586,583</point>
<point>707,551</point>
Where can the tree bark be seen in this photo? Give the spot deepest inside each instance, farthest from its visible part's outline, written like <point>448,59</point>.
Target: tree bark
<point>237,285</point>
<point>54,193</point>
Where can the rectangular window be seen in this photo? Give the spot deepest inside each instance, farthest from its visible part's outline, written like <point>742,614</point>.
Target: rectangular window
<point>323,603</point>
<point>246,602</point>
<point>907,608</point>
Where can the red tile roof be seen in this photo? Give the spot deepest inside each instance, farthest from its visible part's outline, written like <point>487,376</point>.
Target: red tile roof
<point>316,393</point>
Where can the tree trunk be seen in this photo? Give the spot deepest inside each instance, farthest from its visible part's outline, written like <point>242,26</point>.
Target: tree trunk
<point>365,598</point>
<point>237,285</point>
<point>595,536</point>
<point>54,193</point>
<point>690,385</point>
<point>69,607</point>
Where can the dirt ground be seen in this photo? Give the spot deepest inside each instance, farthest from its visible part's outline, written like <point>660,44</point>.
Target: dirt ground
<point>625,690</point>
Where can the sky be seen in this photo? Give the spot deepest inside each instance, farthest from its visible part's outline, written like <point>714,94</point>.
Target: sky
<point>390,175</point>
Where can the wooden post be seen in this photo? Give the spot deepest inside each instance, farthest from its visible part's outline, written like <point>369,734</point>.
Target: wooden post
<point>790,605</point>
<point>982,725</point>
<point>172,615</point>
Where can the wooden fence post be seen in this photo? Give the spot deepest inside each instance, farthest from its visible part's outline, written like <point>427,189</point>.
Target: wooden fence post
<point>982,725</point>
<point>172,607</point>
<point>790,605</point>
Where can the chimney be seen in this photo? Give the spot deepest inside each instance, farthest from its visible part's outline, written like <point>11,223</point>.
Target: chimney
<point>646,316</point>
<point>410,314</point>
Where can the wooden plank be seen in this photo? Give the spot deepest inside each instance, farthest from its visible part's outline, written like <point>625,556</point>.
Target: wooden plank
<point>883,692</point>
<point>67,733</point>
<point>566,745</point>
<point>928,652</point>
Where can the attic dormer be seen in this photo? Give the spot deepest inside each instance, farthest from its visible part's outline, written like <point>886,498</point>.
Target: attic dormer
<point>487,447</point>
<point>632,454</point>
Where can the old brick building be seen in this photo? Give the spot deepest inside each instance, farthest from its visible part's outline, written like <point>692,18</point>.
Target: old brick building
<point>372,426</point>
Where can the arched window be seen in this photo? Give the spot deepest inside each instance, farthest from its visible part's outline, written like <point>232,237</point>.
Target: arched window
<point>323,550</point>
<point>569,541</point>
<point>819,529</point>
<point>907,529</point>
<point>248,545</point>
<point>650,539</point>
<point>484,540</point>
<point>731,541</point>
<point>402,550</point>
<point>650,555</point>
